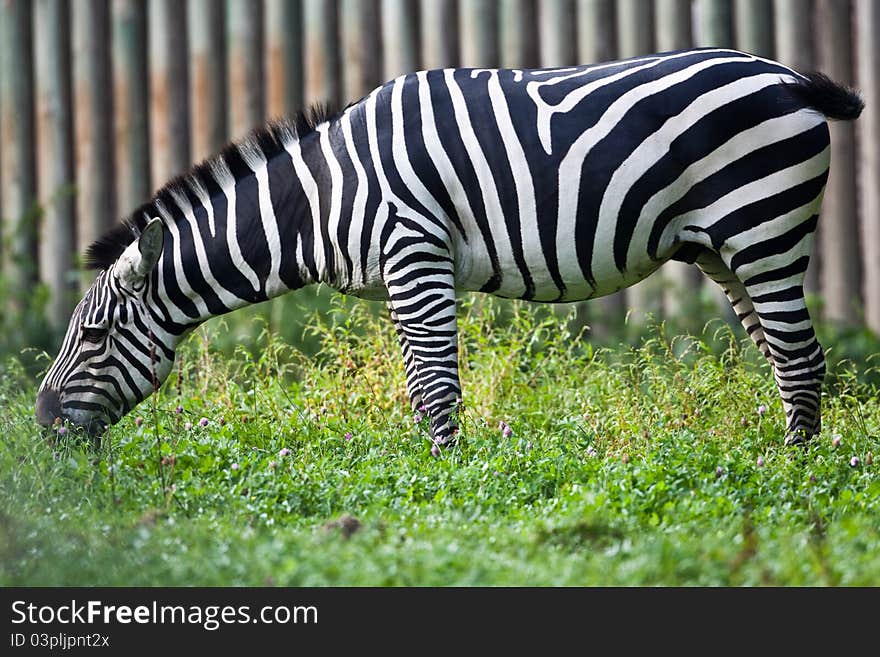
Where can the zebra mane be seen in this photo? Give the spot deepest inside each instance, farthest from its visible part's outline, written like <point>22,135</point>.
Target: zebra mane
<point>269,139</point>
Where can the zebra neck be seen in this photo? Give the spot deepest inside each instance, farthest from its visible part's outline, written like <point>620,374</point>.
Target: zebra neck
<point>248,232</point>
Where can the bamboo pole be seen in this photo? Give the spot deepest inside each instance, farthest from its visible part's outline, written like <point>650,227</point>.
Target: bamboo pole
<point>209,113</point>
<point>400,30</point>
<point>54,147</point>
<point>322,71</point>
<point>518,35</point>
<point>596,31</point>
<point>478,29</point>
<point>558,36</point>
<point>867,27</point>
<point>284,57</point>
<point>840,272</point>
<point>169,106</point>
<point>130,103</point>
<point>361,47</point>
<point>93,114</point>
<point>754,26</point>
<point>17,166</point>
<point>245,66</point>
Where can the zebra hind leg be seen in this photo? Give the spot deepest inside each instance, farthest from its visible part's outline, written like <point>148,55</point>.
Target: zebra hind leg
<point>409,362</point>
<point>799,362</point>
<point>711,264</point>
<point>775,289</point>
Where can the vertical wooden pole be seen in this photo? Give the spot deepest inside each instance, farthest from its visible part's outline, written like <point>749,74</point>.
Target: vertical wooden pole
<point>793,30</point>
<point>245,66</point>
<point>635,28</point>
<point>322,74</point>
<point>93,113</point>
<point>867,27</point>
<point>478,29</point>
<point>596,31</point>
<point>439,33</point>
<point>840,272</point>
<point>54,148</point>
<point>558,40</point>
<point>362,38</point>
<point>673,31</point>
<point>400,30</point>
<point>207,73</point>
<point>169,90</point>
<point>131,103</point>
<point>754,26</point>
<point>713,23</point>
<point>284,57</point>
<point>18,174</point>
<point>518,35</point>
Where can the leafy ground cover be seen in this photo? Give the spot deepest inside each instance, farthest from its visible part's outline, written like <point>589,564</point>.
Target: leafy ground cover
<point>659,464</point>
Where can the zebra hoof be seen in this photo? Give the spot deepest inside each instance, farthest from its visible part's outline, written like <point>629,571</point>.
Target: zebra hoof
<point>445,442</point>
<point>799,437</point>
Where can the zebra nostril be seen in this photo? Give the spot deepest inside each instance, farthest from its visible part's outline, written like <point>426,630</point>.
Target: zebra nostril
<point>48,407</point>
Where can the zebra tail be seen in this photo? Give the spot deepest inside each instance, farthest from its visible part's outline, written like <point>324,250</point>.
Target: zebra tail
<point>835,101</point>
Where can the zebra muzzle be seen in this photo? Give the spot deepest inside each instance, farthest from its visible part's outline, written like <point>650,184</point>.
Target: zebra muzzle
<point>48,407</point>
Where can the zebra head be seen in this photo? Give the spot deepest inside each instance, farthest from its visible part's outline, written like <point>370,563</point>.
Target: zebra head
<point>110,358</point>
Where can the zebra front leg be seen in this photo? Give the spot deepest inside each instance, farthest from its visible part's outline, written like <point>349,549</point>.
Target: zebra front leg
<point>422,296</point>
<point>409,362</point>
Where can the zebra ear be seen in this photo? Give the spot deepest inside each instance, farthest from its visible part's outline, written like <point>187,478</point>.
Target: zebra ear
<point>141,256</point>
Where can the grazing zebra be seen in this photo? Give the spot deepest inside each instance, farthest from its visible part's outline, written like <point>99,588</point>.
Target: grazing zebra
<point>551,185</point>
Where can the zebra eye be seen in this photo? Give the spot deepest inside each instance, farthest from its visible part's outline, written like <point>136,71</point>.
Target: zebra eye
<point>93,334</point>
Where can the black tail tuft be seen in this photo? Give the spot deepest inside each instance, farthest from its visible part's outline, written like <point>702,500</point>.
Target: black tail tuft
<point>827,96</point>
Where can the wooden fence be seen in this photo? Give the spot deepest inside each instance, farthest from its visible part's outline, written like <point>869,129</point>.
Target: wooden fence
<point>101,101</point>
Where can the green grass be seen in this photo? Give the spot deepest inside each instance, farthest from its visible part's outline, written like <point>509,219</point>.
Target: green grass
<point>627,466</point>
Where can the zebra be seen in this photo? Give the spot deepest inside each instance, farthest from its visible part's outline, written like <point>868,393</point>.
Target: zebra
<point>552,185</point>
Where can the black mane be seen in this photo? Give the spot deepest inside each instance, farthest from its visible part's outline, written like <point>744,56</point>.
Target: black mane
<point>107,248</point>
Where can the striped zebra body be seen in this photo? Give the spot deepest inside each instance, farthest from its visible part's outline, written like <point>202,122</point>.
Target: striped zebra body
<point>551,185</point>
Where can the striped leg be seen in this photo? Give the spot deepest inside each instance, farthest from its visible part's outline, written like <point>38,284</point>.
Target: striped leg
<point>799,363</point>
<point>409,363</point>
<point>711,264</point>
<point>774,314</point>
<point>772,272</point>
<point>418,272</point>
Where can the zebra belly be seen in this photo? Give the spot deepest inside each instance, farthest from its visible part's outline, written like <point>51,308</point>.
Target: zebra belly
<point>372,293</point>
<point>474,271</point>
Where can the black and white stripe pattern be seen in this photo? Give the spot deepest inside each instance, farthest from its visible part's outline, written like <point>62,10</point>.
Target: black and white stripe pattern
<point>550,185</point>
